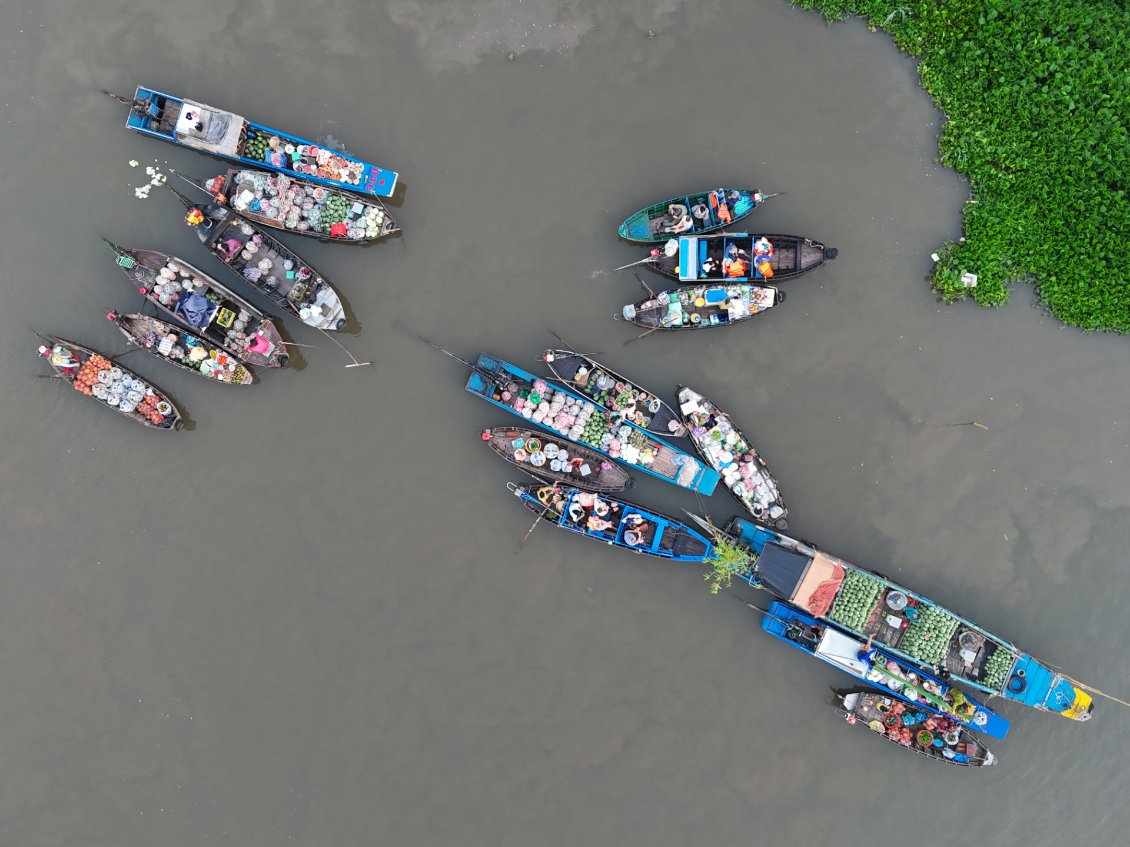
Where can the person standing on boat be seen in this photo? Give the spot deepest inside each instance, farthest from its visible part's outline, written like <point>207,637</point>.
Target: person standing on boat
<point>867,653</point>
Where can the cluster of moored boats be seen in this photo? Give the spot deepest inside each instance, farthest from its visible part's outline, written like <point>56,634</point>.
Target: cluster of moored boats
<point>586,428</point>
<point>281,183</point>
<point>724,277</point>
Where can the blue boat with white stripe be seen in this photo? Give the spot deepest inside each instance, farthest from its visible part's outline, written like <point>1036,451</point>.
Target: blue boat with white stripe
<point>577,418</point>
<point>875,666</point>
<point>188,123</point>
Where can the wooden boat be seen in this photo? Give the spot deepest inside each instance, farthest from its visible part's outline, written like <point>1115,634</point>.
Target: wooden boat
<point>907,625</point>
<point>873,665</point>
<point>576,418</point>
<point>694,214</point>
<point>206,307</point>
<point>189,123</point>
<point>739,257</point>
<point>304,209</point>
<point>703,306</point>
<point>615,522</point>
<point>932,736</point>
<point>557,460</point>
<point>723,446</point>
<point>113,386</point>
<point>613,392</point>
<point>265,263</point>
<point>182,349</point>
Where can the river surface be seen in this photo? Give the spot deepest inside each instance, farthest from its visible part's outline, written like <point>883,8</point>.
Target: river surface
<point>302,620</point>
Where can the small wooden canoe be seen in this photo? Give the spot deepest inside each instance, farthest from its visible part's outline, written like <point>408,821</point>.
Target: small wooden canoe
<point>182,349</point>
<point>723,446</point>
<point>300,208</point>
<point>113,386</point>
<point>615,522</point>
<point>932,736</point>
<point>266,264</point>
<point>204,305</point>
<point>738,257</point>
<point>613,392</point>
<point>557,460</point>
<point>694,214</point>
<point>703,306</point>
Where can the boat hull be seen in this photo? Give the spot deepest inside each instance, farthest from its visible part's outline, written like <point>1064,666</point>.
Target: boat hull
<point>901,679</point>
<point>705,258</point>
<point>503,385</point>
<point>619,523</point>
<point>160,115</point>
<point>695,214</point>
<point>153,336</point>
<point>581,468</point>
<point>703,306</point>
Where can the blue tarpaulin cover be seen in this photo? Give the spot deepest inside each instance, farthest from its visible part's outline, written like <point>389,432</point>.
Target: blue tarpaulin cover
<point>195,309</point>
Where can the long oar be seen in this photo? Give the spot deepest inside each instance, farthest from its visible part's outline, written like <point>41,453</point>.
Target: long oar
<point>765,197</point>
<point>646,287</point>
<point>355,364</point>
<point>570,347</point>
<point>534,525</point>
<point>1096,691</point>
<point>642,335</point>
<point>644,261</point>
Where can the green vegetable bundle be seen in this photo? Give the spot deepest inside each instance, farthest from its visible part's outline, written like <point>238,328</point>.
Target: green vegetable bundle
<point>928,638</point>
<point>855,600</point>
<point>997,667</point>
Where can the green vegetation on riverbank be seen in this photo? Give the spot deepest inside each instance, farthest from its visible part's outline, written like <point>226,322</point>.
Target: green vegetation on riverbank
<point>1037,104</point>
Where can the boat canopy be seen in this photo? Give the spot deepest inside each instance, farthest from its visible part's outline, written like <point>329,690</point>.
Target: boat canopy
<point>843,651</point>
<point>209,129</point>
<point>781,570</point>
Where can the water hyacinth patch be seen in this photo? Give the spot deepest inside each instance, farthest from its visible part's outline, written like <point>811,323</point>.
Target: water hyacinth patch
<point>1037,108</point>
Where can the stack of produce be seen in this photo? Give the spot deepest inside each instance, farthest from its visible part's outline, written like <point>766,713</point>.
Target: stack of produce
<point>98,377</point>
<point>304,207</point>
<point>607,392</point>
<point>855,600</point>
<point>309,159</point>
<point>997,667</point>
<point>87,376</point>
<point>928,638</point>
<point>579,421</point>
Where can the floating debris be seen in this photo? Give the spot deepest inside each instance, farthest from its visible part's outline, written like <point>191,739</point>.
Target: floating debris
<point>133,163</point>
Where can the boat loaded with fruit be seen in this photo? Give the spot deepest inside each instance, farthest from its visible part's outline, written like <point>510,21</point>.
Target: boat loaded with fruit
<point>907,624</point>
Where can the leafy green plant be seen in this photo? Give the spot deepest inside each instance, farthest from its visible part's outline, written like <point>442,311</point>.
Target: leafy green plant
<point>729,560</point>
<point>1038,118</point>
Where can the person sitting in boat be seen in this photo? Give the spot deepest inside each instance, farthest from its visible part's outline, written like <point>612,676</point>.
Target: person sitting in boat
<point>598,524</point>
<point>710,267</point>
<point>60,357</point>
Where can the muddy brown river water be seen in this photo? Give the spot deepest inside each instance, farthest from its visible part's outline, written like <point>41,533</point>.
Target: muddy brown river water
<point>302,619</point>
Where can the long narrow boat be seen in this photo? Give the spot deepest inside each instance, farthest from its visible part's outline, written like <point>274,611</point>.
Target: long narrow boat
<point>879,667</point>
<point>265,263</point>
<point>189,123</point>
<point>283,202</point>
<point>934,737</point>
<point>557,460</point>
<point>202,304</point>
<point>115,387</point>
<point>615,522</point>
<point>574,417</point>
<point>694,214</point>
<point>182,349</point>
<point>613,392</point>
<point>703,306</point>
<point>723,446</point>
<point>739,257</point>
<point>906,624</point>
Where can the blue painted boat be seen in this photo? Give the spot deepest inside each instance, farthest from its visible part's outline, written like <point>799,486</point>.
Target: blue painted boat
<point>529,397</point>
<point>199,126</point>
<point>694,214</point>
<point>906,624</point>
<point>616,522</point>
<point>879,667</point>
<point>738,257</point>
